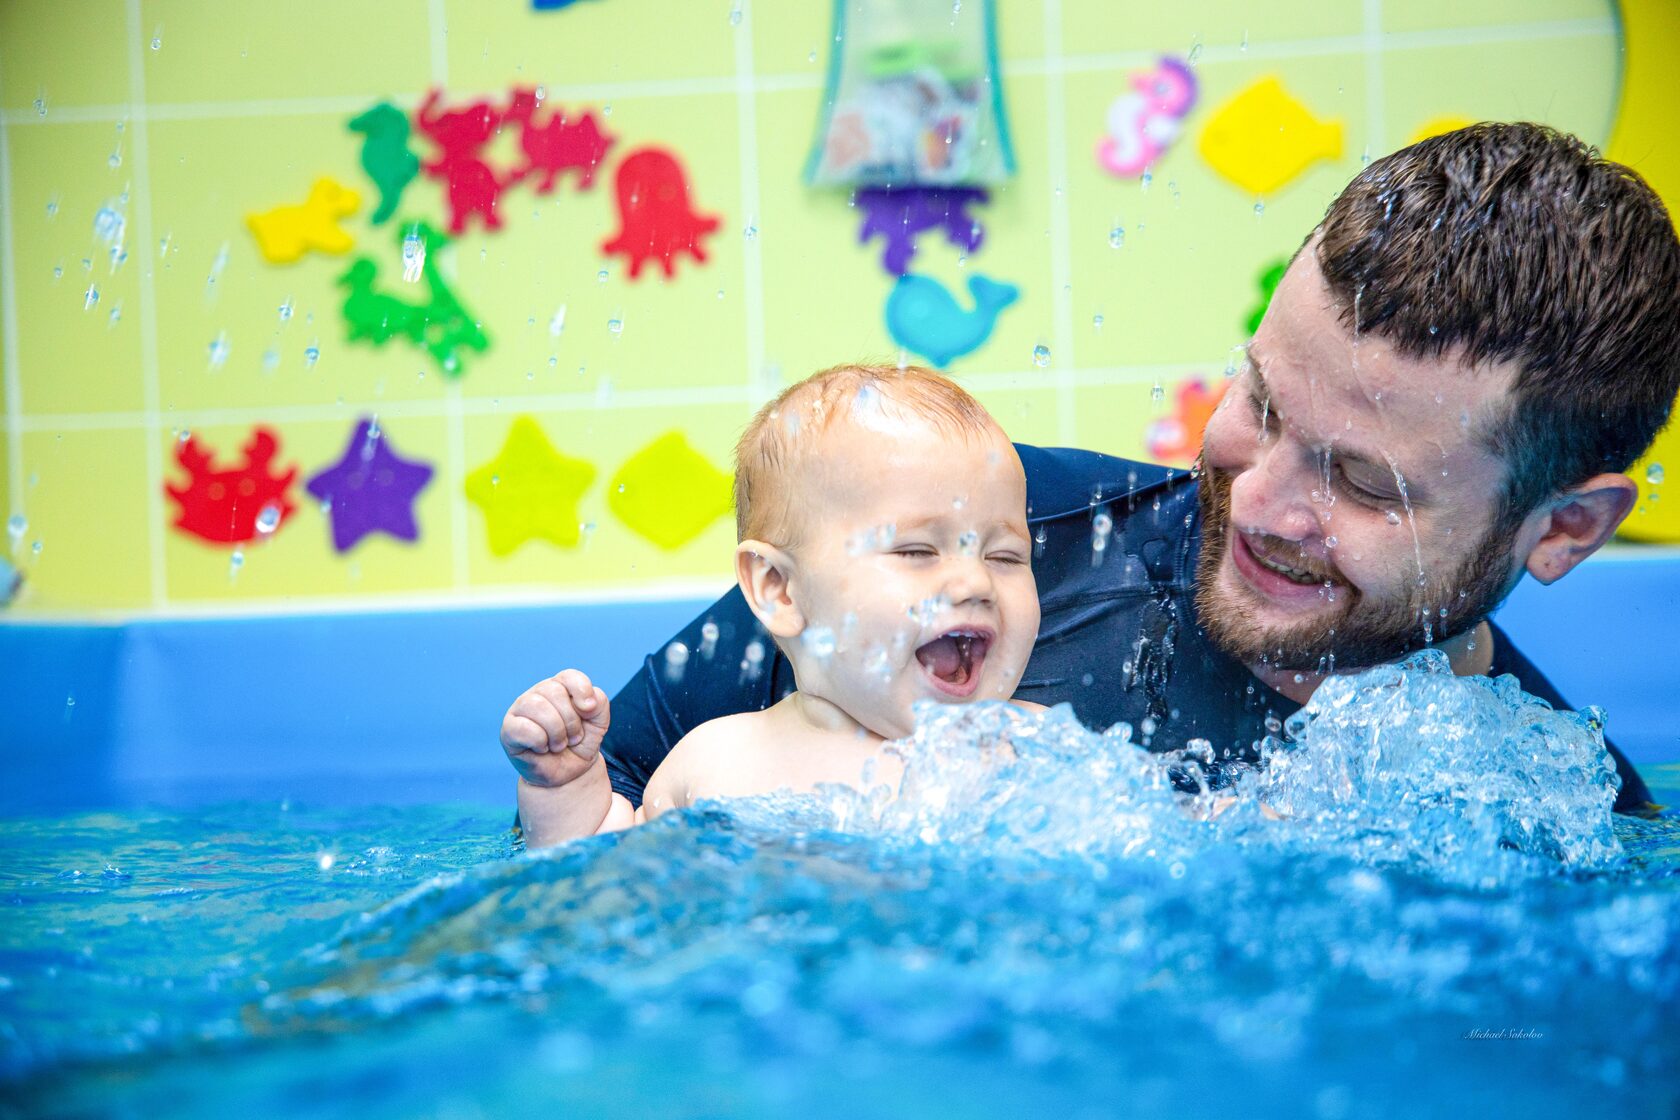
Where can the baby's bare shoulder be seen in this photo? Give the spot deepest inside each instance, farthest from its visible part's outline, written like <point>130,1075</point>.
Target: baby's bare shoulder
<point>726,734</point>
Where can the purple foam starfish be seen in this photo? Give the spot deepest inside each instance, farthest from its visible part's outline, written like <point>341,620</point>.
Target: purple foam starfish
<point>900,213</point>
<point>370,490</point>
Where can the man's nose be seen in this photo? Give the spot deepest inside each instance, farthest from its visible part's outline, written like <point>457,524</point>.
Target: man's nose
<point>1274,495</point>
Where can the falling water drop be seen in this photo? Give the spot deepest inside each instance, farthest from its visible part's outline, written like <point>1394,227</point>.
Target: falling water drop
<point>557,324</point>
<point>413,255</point>
<point>615,326</point>
<point>1259,208</point>
<point>708,639</point>
<point>286,311</point>
<point>735,15</point>
<point>1116,237</point>
<point>235,562</point>
<point>1041,355</point>
<point>1654,474</point>
<point>1096,322</point>
<point>90,297</point>
<point>969,543</point>
<point>219,350</point>
<point>268,519</point>
<point>676,661</point>
<point>311,355</point>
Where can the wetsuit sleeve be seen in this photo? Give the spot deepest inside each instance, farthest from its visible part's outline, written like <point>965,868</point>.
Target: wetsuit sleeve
<point>662,703</point>
<point>1635,795</point>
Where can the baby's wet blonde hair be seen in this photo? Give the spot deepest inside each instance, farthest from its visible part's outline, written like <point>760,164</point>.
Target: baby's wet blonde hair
<point>788,431</point>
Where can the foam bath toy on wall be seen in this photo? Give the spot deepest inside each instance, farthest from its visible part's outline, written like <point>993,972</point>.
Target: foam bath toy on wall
<point>914,97</point>
<point>471,185</point>
<point>1267,283</point>
<point>1143,124</point>
<point>370,489</point>
<point>232,505</point>
<point>669,493</point>
<point>1263,137</point>
<point>925,318</point>
<point>656,220</point>
<point>1178,438</point>
<point>285,233</point>
<point>529,491</point>
<point>442,326</point>
<point>898,215</point>
<point>385,155</point>
<point>560,143</point>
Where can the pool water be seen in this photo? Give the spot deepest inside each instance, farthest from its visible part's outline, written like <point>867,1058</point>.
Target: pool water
<point>987,944</point>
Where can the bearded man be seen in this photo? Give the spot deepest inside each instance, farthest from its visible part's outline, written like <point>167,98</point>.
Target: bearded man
<point>1457,367</point>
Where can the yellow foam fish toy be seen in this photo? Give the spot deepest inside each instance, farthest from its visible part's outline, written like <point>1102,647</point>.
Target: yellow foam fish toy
<point>1263,137</point>
<point>669,493</point>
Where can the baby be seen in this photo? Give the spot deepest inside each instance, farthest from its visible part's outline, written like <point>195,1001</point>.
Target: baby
<point>881,514</point>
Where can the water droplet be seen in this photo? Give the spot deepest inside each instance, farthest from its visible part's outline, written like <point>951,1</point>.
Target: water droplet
<point>818,641</point>
<point>108,225</point>
<point>969,543</point>
<point>708,639</point>
<point>311,355</point>
<point>16,526</point>
<point>1259,208</point>
<point>286,311</point>
<point>157,39</point>
<point>735,15</point>
<point>268,519</point>
<point>1096,322</point>
<point>52,208</point>
<point>1654,474</point>
<point>413,255</point>
<point>1392,517</point>
<point>35,548</point>
<point>750,232</point>
<point>58,272</point>
<point>235,562</point>
<point>116,314</point>
<point>325,861</point>
<point>1041,355</point>
<point>557,323</point>
<point>615,326</point>
<point>1157,392</point>
<point>676,661</point>
<point>752,661</point>
<point>1331,541</point>
<point>1146,178</point>
<point>1195,52</point>
<point>601,276</point>
<point>218,350</point>
<point>90,297</point>
<point>41,104</point>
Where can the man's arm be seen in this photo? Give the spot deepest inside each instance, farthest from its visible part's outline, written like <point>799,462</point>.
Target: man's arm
<point>663,702</point>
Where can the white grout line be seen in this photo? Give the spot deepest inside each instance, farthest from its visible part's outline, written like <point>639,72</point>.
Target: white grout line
<point>454,477</point>
<point>752,257</point>
<point>437,16</point>
<point>771,83</point>
<point>9,324</point>
<point>1027,380</point>
<point>1376,111</point>
<point>1061,250</point>
<point>151,393</point>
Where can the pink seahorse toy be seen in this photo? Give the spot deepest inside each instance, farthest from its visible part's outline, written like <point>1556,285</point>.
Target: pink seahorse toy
<point>1144,123</point>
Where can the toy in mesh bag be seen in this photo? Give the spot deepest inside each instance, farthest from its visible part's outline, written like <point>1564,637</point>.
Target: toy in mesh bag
<point>913,97</point>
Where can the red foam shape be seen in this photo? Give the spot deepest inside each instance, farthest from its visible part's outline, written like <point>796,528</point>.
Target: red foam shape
<point>558,144</point>
<point>473,186</point>
<point>655,218</point>
<point>223,505</point>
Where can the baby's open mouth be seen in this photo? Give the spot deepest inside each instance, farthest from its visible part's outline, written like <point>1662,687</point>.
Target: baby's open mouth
<point>953,660</point>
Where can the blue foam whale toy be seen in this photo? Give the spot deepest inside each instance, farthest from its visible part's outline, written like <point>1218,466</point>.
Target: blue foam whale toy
<point>922,316</point>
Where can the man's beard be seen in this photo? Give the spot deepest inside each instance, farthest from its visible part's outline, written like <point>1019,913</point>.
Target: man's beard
<point>1358,631</point>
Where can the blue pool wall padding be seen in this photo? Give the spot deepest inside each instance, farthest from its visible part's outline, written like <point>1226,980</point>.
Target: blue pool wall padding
<point>404,706</point>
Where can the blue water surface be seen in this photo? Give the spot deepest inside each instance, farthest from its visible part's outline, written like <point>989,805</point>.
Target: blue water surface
<point>1038,924</point>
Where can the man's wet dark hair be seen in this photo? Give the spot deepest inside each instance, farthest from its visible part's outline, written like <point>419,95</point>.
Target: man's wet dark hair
<point>1517,243</point>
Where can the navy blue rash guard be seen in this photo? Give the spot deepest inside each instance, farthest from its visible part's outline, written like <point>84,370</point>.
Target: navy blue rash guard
<point>1118,640</point>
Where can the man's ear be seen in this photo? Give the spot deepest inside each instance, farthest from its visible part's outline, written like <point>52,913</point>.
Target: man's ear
<point>1578,522</point>
<point>764,573</point>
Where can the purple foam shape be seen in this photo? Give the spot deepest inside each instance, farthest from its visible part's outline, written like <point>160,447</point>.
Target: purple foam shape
<point>370,490</point>
<point>899,214</point>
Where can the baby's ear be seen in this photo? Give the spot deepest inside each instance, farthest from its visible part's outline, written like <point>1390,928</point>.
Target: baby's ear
<point>764,572</point>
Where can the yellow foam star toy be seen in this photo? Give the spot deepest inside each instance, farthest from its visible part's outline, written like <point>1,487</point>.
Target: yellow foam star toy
<point>1263,137</point>
<point>286,233</point>
<point>529,491</point>
<point>669,493</point>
